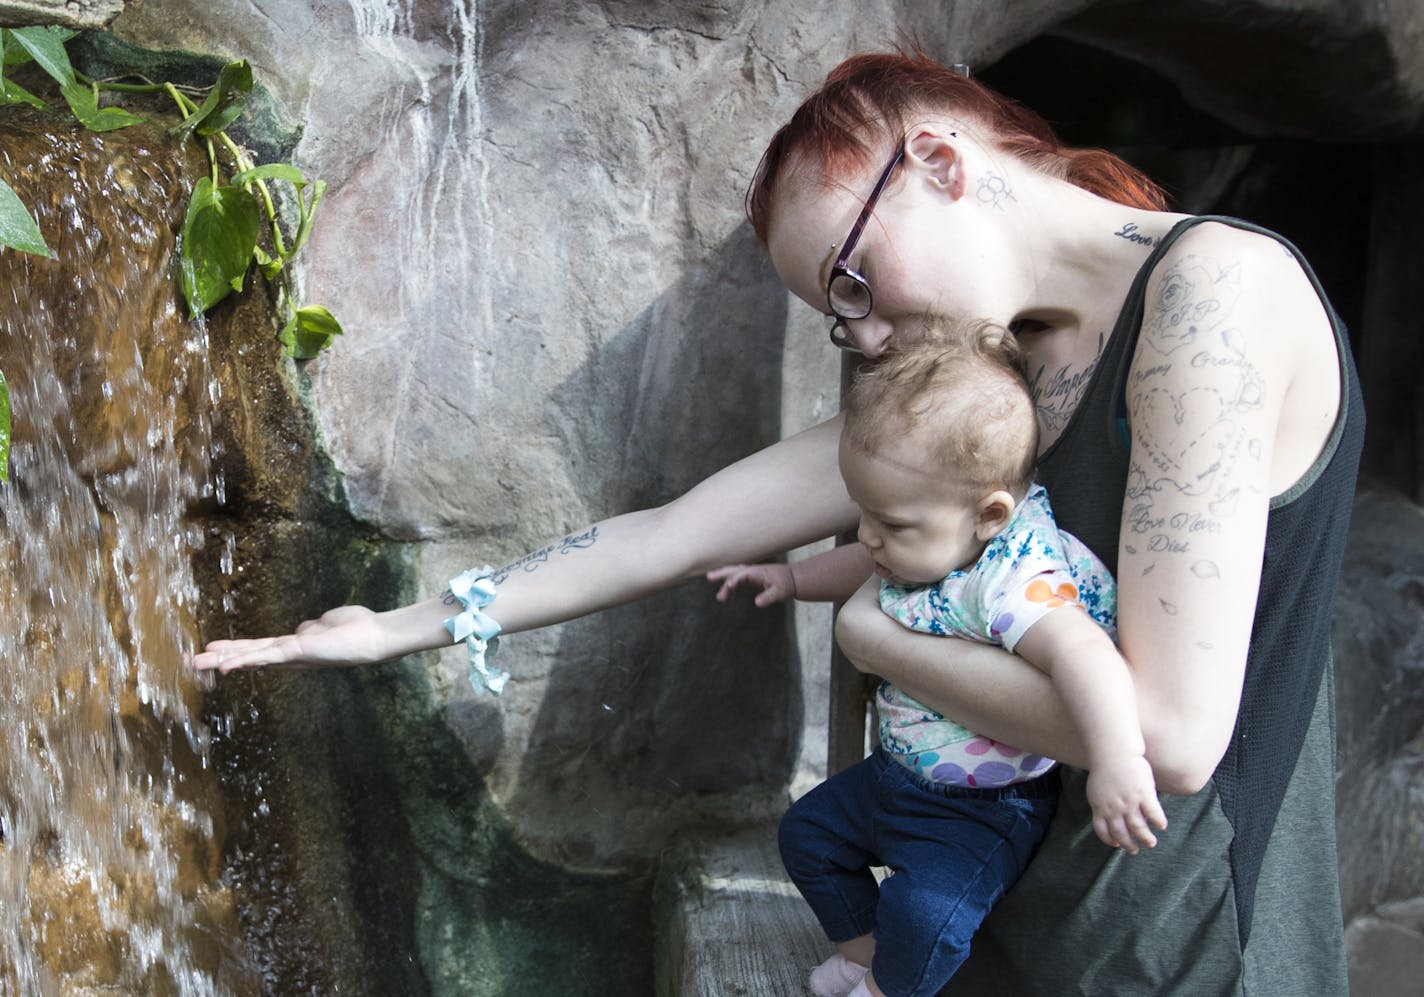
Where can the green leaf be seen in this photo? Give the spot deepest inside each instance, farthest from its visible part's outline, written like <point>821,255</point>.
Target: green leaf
<point>84,102</point>
<point>46,47</point>
<point>4,429</point>
<point>309,331</point>
<point>233,86</point>
<point>17,229</point>
<point>223,104</point>
<point>15,54</point>
<point>11,54</point>
<point>269,266</point>
<point>13,93</point>
<point>219,236</point>
<point>271,171</point>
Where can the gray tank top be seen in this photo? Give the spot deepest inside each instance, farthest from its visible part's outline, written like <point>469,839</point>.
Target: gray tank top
<point>1242,894</point>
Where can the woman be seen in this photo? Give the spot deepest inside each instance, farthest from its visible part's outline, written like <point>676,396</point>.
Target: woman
<point>1201,429</point>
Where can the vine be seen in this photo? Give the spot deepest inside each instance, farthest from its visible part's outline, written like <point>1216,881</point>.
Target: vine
<point>224,222</point>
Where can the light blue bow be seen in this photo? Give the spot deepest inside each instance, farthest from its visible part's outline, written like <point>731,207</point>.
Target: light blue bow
<point>475,590</point>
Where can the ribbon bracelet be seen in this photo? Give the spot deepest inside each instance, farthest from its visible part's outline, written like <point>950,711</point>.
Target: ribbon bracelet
<point>475,590</point>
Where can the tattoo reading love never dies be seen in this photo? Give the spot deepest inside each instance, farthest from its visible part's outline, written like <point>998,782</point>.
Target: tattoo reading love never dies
<point>1190,442</point>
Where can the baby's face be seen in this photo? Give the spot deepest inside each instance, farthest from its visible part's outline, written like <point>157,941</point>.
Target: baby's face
<point>917,526</point>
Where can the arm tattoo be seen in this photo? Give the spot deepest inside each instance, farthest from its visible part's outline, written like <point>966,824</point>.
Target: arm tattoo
<point>1190,442</point>
<point>532,560</point>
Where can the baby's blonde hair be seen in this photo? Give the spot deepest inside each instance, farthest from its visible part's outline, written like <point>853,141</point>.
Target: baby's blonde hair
<point>958,390</point>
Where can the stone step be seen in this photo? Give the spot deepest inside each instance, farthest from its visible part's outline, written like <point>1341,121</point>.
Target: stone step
<point>730,924</point>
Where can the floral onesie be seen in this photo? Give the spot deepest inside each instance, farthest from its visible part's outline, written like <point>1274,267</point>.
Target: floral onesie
<point>1030,569</point>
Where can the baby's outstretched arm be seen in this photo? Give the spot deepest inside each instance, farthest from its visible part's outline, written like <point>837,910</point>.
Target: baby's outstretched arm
<point>832,576</point>
<point>1095,683</point>
<point>775,580</point>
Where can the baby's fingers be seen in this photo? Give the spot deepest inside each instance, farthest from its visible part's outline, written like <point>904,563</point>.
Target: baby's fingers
<point>1113,832</point>
<point>1149,813</point>
<point>1153,812</point>
<point>1142,832</point>
<point>768,596</point>
<point>730,576</point>
<point>1128,831</point>
<point>727,570</point>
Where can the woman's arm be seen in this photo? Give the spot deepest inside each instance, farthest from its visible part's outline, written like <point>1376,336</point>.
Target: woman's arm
<point>1229,321</point>
<point>783,497</point>
<point>985,688</point>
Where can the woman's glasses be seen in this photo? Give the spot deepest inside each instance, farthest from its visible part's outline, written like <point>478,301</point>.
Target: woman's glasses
<point>847,292</point>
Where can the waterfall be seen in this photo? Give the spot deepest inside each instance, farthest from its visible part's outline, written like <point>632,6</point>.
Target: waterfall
<point>429,169</point>
<point>109,861</point>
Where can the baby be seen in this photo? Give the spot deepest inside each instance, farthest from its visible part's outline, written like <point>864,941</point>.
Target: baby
<point>938,450</point>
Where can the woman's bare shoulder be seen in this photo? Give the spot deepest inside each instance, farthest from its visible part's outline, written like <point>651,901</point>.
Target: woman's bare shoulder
<point>1218,280</point>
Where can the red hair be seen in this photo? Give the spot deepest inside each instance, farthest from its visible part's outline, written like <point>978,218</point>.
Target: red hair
<point>876,93</point>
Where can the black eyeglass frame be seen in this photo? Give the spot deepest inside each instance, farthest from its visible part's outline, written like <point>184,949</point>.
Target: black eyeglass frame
<point>838,333</point>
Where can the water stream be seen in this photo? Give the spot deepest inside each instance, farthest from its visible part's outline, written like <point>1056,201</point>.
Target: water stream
<point>109,862</point>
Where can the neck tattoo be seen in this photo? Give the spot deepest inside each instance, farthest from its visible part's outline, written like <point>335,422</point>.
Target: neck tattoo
<point>1131,234</point>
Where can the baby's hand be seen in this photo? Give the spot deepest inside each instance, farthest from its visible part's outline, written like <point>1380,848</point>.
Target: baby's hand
<point>1124,801</point>
<point>774,580</point>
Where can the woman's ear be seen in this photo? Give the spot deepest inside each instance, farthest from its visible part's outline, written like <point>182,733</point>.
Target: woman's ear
<point>995,511</point>
<point>936,154</point>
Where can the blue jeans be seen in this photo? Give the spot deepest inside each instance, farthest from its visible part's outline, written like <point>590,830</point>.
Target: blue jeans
<point>952,851</point>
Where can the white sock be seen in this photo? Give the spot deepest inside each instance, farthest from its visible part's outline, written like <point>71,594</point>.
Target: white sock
<point>861,989</point>
<point>836,977</point>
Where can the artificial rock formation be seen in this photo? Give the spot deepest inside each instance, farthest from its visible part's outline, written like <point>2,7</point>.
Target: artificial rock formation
<point>555,312</point>
<point>80,14</point>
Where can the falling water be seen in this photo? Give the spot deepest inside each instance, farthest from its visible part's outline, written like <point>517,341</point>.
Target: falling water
<point>440,210</point>
<point>109,866</point>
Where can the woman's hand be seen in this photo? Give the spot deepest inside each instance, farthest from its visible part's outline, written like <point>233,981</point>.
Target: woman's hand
<point>348,635</point>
